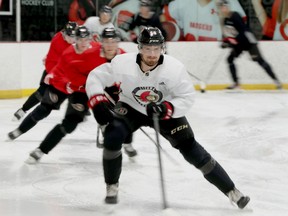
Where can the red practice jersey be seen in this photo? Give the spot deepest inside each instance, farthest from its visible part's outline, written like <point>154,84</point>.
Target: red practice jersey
<point>75,68</point>
<point>57,46</point>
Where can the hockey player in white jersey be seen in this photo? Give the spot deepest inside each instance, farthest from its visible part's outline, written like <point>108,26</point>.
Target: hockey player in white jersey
<point>151,82</point>
<point>96,25</point>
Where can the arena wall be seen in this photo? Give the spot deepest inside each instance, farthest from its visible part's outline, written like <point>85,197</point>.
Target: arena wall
<point>21,65</point>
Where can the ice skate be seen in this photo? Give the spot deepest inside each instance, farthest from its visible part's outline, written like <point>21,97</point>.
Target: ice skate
<point>129,150</point>
<point>14,134</point>
<point>238,198</point>
<point>233,87</point>
<point>278,85</point>
<point>34,156</point>
<point>18,115</point>
<point>112,194</point>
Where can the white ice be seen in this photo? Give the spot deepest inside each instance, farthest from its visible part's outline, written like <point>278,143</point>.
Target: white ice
<point>245,132</point>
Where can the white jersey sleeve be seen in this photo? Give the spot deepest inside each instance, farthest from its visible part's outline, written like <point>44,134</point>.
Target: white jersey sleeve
<point>98,79</point>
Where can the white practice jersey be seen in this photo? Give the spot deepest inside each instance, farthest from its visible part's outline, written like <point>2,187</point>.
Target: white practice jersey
<point>169,81</point>
<point>95,27</point>
<point>200,22</point>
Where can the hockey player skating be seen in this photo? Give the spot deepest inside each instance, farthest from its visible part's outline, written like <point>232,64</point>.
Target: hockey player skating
<point>151,82</point>
<point>239,38</point>
<point>96,25</point>
<point>59,43</point>
<point>67,80</point>
<point>145,17</point>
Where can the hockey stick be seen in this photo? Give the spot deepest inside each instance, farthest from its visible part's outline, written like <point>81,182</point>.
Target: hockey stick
<point>163,150</point>
<point>214,66</point>
<point>157,128</point>
<point>202,84</point>
<point>98,143</point>
<point>141,129</point>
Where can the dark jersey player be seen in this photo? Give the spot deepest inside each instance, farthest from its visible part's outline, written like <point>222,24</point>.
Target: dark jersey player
<point>239,37</point>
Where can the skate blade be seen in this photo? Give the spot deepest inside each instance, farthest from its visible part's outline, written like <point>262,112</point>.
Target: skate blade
<point>31,161</point>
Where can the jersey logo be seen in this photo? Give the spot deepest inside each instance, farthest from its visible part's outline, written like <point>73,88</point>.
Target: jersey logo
<point>145,95</point>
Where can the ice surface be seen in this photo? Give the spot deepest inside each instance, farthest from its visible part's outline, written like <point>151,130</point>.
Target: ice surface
<point>245,132</point>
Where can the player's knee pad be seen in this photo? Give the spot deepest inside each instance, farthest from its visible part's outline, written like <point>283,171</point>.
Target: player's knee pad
<point>38,95</point>
<point>256,58</point>
<point>194,153</point>
<point>115,135</point>
<point>41,112</point>
<point>69,125</point>
<point>61,131</point>
<point>209,166</point>
<point>40,91</point>
<point>110,155</point>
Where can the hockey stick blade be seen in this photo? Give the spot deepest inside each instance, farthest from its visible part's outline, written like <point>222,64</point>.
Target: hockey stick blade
<point>202,84</point>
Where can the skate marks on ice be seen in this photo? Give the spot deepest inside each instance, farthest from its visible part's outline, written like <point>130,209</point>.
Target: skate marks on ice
<point>246,133</point>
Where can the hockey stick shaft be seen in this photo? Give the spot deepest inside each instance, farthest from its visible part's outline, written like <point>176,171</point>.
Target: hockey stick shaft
<point>149,137</point>
<point>97,137</point>
<point>202,84</point>
<point>214,66</point>
<point>157,128</point>
<point>163,150</point>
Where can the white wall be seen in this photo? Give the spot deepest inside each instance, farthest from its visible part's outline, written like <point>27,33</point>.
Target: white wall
<point>21,63</point>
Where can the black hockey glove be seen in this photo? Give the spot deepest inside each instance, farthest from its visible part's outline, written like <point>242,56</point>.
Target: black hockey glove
<point>113,94</point>
<point>100,107</point>
<point>229,42</point>
<point>225,45</point>
<point>164,110</point>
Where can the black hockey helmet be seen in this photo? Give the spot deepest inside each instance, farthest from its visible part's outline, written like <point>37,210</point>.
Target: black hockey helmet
<point>146,3</point>
<point>220,3</point>
<point>105,9</point>
<point>82,32</point>
<point>110,33</point>
<point>150,36</point>
<point>69,28</point>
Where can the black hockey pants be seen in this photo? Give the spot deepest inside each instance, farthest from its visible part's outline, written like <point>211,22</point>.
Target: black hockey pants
<point>36,97</point>
<point>176,130</point>
<point>52,99</point>
<point>75,113</point>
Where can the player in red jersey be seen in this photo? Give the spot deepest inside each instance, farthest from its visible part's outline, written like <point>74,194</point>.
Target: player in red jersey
<point>67,79</point>
<point>59,43</point>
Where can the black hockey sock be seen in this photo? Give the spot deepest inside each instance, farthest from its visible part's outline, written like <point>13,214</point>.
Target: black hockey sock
<point>36,115</point>
<point>27,124</point>
<point>31,101</point>
<point>233,72</point>
<point>112,169</point>
<point>267,68</point>
<point>52,139</point>
<point>220,179</point>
